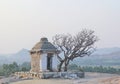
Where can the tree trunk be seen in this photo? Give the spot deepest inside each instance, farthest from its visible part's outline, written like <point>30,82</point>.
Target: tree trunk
<point>60,66</point>
<point>66,65</point>
<point>65,68</point>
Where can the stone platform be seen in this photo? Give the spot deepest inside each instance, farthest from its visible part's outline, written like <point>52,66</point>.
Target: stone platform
<point>46,75</point>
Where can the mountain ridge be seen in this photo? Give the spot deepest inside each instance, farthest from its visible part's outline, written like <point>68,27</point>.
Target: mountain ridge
<point>100,56</point>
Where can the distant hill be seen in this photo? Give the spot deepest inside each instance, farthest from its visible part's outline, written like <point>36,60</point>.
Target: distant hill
<point>19,57</point>
<point>102,56</point>
<point>103,51</point>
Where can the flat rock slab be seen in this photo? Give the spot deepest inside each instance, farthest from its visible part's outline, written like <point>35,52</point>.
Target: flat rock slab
<point>46,75</point>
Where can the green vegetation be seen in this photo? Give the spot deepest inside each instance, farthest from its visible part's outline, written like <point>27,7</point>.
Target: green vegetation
<point>25,66</point>
<point>8,69</point>
<point>99,69</point>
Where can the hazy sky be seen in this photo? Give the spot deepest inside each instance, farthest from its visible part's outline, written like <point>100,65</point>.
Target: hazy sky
<point>24,22</point>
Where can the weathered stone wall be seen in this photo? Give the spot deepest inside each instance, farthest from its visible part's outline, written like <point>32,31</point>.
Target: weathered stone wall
<point>35,62</point>
<point>46,75</point>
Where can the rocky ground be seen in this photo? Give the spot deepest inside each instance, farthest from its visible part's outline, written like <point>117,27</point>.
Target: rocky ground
<point>99,78</point>
<point>90,78</point>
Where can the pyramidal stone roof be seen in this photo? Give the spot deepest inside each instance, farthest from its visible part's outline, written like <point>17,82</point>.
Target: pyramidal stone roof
<point>44,45</point>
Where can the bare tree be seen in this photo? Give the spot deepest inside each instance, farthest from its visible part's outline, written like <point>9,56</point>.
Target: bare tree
<point>80,45</point>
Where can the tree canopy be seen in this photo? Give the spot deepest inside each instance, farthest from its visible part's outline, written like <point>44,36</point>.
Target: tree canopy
<point>73,46</point>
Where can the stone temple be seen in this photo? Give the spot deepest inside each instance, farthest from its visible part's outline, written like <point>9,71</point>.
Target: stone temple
<point>43,57</point>
<point>44,63</point>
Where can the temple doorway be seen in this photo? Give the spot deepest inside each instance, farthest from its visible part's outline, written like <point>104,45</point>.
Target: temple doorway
<point>49,61</point>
